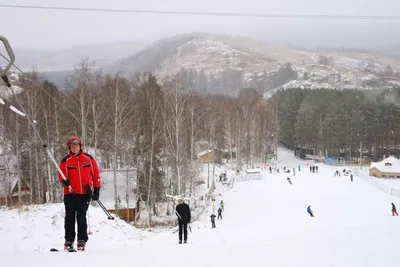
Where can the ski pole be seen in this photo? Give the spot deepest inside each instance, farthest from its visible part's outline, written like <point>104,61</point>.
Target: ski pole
<point>89,232</point>
<point>110,217</point>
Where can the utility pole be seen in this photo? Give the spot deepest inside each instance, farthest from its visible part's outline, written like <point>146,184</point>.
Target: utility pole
<point>361,154</point>
<point>208,174</point>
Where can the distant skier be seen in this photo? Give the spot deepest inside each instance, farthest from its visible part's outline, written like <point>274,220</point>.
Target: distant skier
<point>316,168</point>
<point>213,220</point>
<point>299,167</point>
<point>182,210</point>
<point>294,171</point>
<point>311,168</point>
<point>290,181</point>
<point>351,177</point>
<point>222,204</point>
<point>270,169</point>
<point>219,213</point>
<point>394,211</point>
<point>310,211</point>
<point>284,168</point>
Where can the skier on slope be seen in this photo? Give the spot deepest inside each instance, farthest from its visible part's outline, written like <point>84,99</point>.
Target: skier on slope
<point>219,213</point>
<point>222,204</point>
<point>182,210</point>
<point>288,179</point>
<point>82,176</point>
<point>310,211</point>
<point>213,220</point>
<point>394,211</point>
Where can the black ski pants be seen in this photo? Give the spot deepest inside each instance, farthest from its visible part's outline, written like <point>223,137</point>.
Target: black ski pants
<point>219,216</point>
<point>182,229</point>
<point>75,208</point>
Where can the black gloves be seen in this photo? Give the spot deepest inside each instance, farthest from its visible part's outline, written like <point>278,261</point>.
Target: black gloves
<point>66,182</point>
<point>93,194</point>
<point>96,193</point>
<point>88,190</point>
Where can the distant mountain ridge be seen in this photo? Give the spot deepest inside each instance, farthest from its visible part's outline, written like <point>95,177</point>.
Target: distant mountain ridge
<point>225,63</point>
<point>258,63</point>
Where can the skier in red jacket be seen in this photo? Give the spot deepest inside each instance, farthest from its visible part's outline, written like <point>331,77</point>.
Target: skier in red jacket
<point>82,184</point>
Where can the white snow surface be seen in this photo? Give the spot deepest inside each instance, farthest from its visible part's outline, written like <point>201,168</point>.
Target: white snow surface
<point>265,223</point>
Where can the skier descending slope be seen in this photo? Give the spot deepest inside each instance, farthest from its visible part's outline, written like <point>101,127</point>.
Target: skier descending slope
<point>394,211</point>
<point>82,175</point>
<point>182,210</point>
<point>310,211</point>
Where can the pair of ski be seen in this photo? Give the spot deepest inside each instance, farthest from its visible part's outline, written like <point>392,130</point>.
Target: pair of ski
<point>70,249</point>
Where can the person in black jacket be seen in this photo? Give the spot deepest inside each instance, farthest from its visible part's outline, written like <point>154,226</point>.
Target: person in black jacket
<point>394,211</point>
<point>182,210</point>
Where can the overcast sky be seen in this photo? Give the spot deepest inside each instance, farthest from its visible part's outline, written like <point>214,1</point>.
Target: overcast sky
<point>44,29</point>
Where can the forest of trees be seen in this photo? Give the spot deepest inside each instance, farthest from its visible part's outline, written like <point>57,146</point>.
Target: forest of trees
<point>159,127</point>
<point>333,122</point>
<point>154,126</point>
<point>231,81</point>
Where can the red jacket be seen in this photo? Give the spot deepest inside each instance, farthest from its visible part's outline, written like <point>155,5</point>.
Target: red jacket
<point>80,170</point>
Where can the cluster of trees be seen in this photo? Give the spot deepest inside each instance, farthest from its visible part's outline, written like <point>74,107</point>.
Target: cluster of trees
<point>333,122</point>
<point>154,126</point>
<point>231,81</point>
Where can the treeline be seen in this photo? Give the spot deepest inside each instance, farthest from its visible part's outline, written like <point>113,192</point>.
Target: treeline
<point>333,122</point>
<point>158,127</point>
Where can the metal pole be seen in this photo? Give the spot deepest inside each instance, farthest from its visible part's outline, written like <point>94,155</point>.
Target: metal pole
<point>208,174</point>
<point>361,154</point>
<point>10,53</point>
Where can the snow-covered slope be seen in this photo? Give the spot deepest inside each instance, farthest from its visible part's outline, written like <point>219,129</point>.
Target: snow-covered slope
<point>215,54</point>
<point>264,224</point>
<point>36,229</point>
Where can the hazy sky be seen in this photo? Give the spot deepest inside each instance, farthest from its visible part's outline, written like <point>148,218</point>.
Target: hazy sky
<point>46,29</point>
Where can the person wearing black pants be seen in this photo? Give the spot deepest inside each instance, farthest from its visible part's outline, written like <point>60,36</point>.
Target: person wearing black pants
<point>76,206</point>
<point>81,181</point>
<point>219,213</point>
<point>212,220</point>
<point>182,210</point>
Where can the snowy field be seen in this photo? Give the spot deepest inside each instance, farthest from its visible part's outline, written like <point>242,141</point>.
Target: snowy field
<point>264,224</point>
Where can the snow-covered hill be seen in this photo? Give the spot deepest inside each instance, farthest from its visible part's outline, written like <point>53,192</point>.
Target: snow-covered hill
<point>265,223</point>
<point>215,54</point>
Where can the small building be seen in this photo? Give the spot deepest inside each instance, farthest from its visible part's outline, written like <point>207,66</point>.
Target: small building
<point>9,191</point>
<point>210,156</point>
<point>387,168</point>
<point>9,182</point>
<point>126,192</point>
<point>250,174</point>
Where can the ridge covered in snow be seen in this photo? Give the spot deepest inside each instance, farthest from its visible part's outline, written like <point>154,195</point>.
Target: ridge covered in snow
<point>214,54</point>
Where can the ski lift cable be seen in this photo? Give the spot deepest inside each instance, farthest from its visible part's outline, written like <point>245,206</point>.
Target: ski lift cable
<point>24,113</point>
<point>218,14</point>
